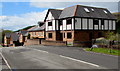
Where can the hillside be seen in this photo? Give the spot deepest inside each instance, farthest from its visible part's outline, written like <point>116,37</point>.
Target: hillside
<point>25,28</point>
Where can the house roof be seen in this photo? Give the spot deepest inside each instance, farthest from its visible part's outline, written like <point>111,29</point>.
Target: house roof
<point>23,32</point>
<point>55,13</point>
<point>14,36</point>
<point>7,35</point>
<point>80,11</point>
<point>37,28</point>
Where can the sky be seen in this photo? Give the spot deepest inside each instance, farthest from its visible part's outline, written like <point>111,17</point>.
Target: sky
<point>17,15</point>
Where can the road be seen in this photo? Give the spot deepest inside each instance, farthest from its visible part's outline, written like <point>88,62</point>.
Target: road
<point>51,57</point>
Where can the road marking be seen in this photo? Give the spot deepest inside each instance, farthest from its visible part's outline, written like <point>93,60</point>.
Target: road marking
<point>41,51</point>
<point>6,61</point>
<point>79,61</point>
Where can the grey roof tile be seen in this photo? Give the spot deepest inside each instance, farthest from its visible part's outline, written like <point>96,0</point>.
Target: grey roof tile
<point>78,10</point>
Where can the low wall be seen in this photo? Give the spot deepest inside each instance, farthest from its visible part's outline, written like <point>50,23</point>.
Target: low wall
<point>82,43</point>
<point>54,43</point>
<point>32,42</point>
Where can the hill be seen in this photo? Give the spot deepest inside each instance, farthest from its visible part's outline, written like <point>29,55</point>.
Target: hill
<point>26,28</point>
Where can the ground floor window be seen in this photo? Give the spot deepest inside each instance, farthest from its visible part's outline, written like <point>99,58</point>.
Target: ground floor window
<point>69,35</point>
<point>49,35</point>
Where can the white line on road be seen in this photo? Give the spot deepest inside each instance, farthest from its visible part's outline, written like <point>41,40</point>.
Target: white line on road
<point>72,59</point>
<point>42,51</point>
<point>79,61</point>
<point>5,61</point>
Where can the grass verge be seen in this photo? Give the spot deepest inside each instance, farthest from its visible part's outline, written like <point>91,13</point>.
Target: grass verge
<point>105,51</point>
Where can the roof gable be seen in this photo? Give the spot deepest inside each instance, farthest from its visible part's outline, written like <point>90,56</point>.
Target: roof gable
<point>52,14</point>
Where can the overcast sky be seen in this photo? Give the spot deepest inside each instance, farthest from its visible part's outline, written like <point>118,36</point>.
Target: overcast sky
<point>17,15</point>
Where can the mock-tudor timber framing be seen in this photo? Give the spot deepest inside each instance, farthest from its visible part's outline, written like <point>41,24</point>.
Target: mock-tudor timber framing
<point>85,23</point>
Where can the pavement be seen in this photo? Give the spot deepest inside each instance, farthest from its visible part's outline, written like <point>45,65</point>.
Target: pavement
<point>54,57</point>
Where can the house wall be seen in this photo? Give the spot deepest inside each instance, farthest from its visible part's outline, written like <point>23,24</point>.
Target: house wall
<point>53,35</point>
<point>32,42</point>
<point>65,34</point>
<point>20,38</point>
<point>6,41</point>
<point>37,34</point>
<point>53,27</point>
<point>64,26</point>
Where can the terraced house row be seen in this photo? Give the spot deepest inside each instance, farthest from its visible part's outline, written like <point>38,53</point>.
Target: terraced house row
<point>76,26</point>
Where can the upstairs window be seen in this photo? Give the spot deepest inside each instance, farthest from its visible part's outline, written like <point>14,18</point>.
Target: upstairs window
<point>105,11</point>
<point>92,9</point>
<point>102,22</point>
<point>49,23</point>
<point>60,22</point>
<point>69,35</point>
<point>49,35</point>
<point>69,21</point>
<point>96,21</point>
<point>86,9</point>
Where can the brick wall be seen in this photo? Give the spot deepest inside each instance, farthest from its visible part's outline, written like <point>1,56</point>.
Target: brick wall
<point>54,43</point>
<point>32,42</point>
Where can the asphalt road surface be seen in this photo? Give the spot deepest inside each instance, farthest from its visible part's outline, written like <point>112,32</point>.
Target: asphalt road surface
<point>51,57</point>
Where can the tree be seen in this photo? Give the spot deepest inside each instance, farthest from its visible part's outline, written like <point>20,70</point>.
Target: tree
<point>111,36</point>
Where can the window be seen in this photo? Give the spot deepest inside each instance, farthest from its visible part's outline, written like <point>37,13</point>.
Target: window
<point>95,21</point>
<point>92,9</point>
<point>102,22</point>
<point>69,21</point>
<point>49,23</point>
<point>105,11</point>
<point>49,35</point>
<point>60,22</point>
<point>39,34</point>
<point>69,35</point>
<point>86,9</point>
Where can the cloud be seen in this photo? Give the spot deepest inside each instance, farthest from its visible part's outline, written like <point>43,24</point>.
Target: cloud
<point>74,0</point>
<point>112,6</point>
<point>21,21</point>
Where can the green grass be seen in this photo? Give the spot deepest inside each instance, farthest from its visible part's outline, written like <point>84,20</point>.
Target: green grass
<point>105,51</point>
<point>0,46</point>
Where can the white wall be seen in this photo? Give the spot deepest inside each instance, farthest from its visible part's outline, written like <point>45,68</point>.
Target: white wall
<point>49,28</point>
<point>61,27</point>
<point>64,24</point>
<point>53,25</point>
<point>78,23</point>
<point>50,16</point>
<point>56,25</point>
<point>84,23</point>
<point>69,27</point>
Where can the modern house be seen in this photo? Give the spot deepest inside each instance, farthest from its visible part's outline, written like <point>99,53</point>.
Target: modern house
<point>78,25</point>
<point>38,31</point>
<point>52,27</point>
<point>7,39</point>
<point>22,36</point>
<point>11,39</point>
<point>36,34</point>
